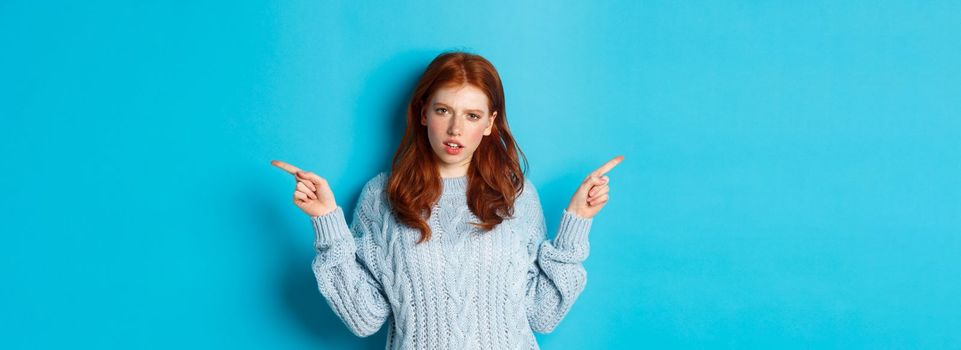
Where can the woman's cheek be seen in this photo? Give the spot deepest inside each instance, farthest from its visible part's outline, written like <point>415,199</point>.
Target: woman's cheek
<point>475,142</point>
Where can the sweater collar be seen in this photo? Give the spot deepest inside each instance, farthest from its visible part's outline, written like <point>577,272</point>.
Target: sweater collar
<point>455,185</point>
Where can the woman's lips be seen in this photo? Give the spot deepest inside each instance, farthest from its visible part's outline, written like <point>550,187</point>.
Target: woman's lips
<point>453,151</point>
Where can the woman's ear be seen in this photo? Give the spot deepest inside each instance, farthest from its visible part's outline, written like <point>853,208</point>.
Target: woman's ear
<point>490,126</point>
<point>423,117</point>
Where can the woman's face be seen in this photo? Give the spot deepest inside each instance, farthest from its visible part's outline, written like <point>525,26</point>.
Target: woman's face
<point>457,114</point>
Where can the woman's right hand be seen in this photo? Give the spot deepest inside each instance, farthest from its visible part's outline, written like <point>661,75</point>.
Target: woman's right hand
<point>312,194</point>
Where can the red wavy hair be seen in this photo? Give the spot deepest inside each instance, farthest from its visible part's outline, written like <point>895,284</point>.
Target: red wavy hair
<point>494,176</point>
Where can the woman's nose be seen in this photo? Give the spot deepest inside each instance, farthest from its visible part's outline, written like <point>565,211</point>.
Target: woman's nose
<point>455,127</point>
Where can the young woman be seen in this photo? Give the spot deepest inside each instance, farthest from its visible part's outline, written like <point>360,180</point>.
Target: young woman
<point>451,244</point>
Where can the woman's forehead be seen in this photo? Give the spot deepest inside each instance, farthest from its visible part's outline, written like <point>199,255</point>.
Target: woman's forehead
<point>464,96</point>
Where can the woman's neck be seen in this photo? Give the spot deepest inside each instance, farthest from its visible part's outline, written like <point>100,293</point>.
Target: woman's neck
<point>453,171</point>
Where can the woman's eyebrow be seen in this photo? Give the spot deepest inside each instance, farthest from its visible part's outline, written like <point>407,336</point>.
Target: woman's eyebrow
<point>469,110</point>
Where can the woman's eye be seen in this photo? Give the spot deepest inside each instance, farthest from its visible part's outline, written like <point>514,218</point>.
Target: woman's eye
<point>475,116</point>
<point>441,110</point>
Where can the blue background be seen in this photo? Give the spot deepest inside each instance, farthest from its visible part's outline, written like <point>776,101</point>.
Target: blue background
<point>791,172</point>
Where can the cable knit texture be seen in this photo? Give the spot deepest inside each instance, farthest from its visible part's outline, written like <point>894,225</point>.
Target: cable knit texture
<point>462,289</point>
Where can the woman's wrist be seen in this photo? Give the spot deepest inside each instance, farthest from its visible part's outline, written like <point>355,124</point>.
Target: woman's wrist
<point>580,214</point>
<point>321,211</point>
<point>331,226</point>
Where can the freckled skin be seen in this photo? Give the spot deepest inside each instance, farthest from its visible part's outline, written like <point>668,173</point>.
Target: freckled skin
<point>461,113</point>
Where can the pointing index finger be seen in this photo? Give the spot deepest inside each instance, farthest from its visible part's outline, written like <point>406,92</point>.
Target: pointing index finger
<point>608,166</point>
<point>286,167</point>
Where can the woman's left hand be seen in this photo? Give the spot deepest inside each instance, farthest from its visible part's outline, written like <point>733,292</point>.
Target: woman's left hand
<point>593,193</point>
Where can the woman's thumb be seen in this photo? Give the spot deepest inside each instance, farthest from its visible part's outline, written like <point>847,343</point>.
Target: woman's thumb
<point>596,180</point>
<point>310,177</point>
<point>590,182</point>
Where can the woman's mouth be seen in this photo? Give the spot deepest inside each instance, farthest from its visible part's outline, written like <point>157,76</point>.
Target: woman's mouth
<point>453,148</point>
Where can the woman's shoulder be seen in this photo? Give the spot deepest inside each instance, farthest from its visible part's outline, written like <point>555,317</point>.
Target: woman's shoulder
<point>530,191</point>
<point>527,206</point>
<point>378,183</point>
<point>373,195</point>
<point>376,186</point>
<point>529,199</point>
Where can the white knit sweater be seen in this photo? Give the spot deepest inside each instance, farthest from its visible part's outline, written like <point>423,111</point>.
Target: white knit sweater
<point>462,289</point>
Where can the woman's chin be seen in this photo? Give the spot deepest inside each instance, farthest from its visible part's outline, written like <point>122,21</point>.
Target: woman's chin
<point>451,159</point>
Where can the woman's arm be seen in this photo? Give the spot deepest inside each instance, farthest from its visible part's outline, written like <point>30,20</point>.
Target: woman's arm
<point>347,263</point>
<point>556,276</point>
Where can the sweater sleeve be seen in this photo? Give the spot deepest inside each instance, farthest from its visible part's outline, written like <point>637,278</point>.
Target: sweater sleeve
<point>346,264</point>
<point>556,274</point>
